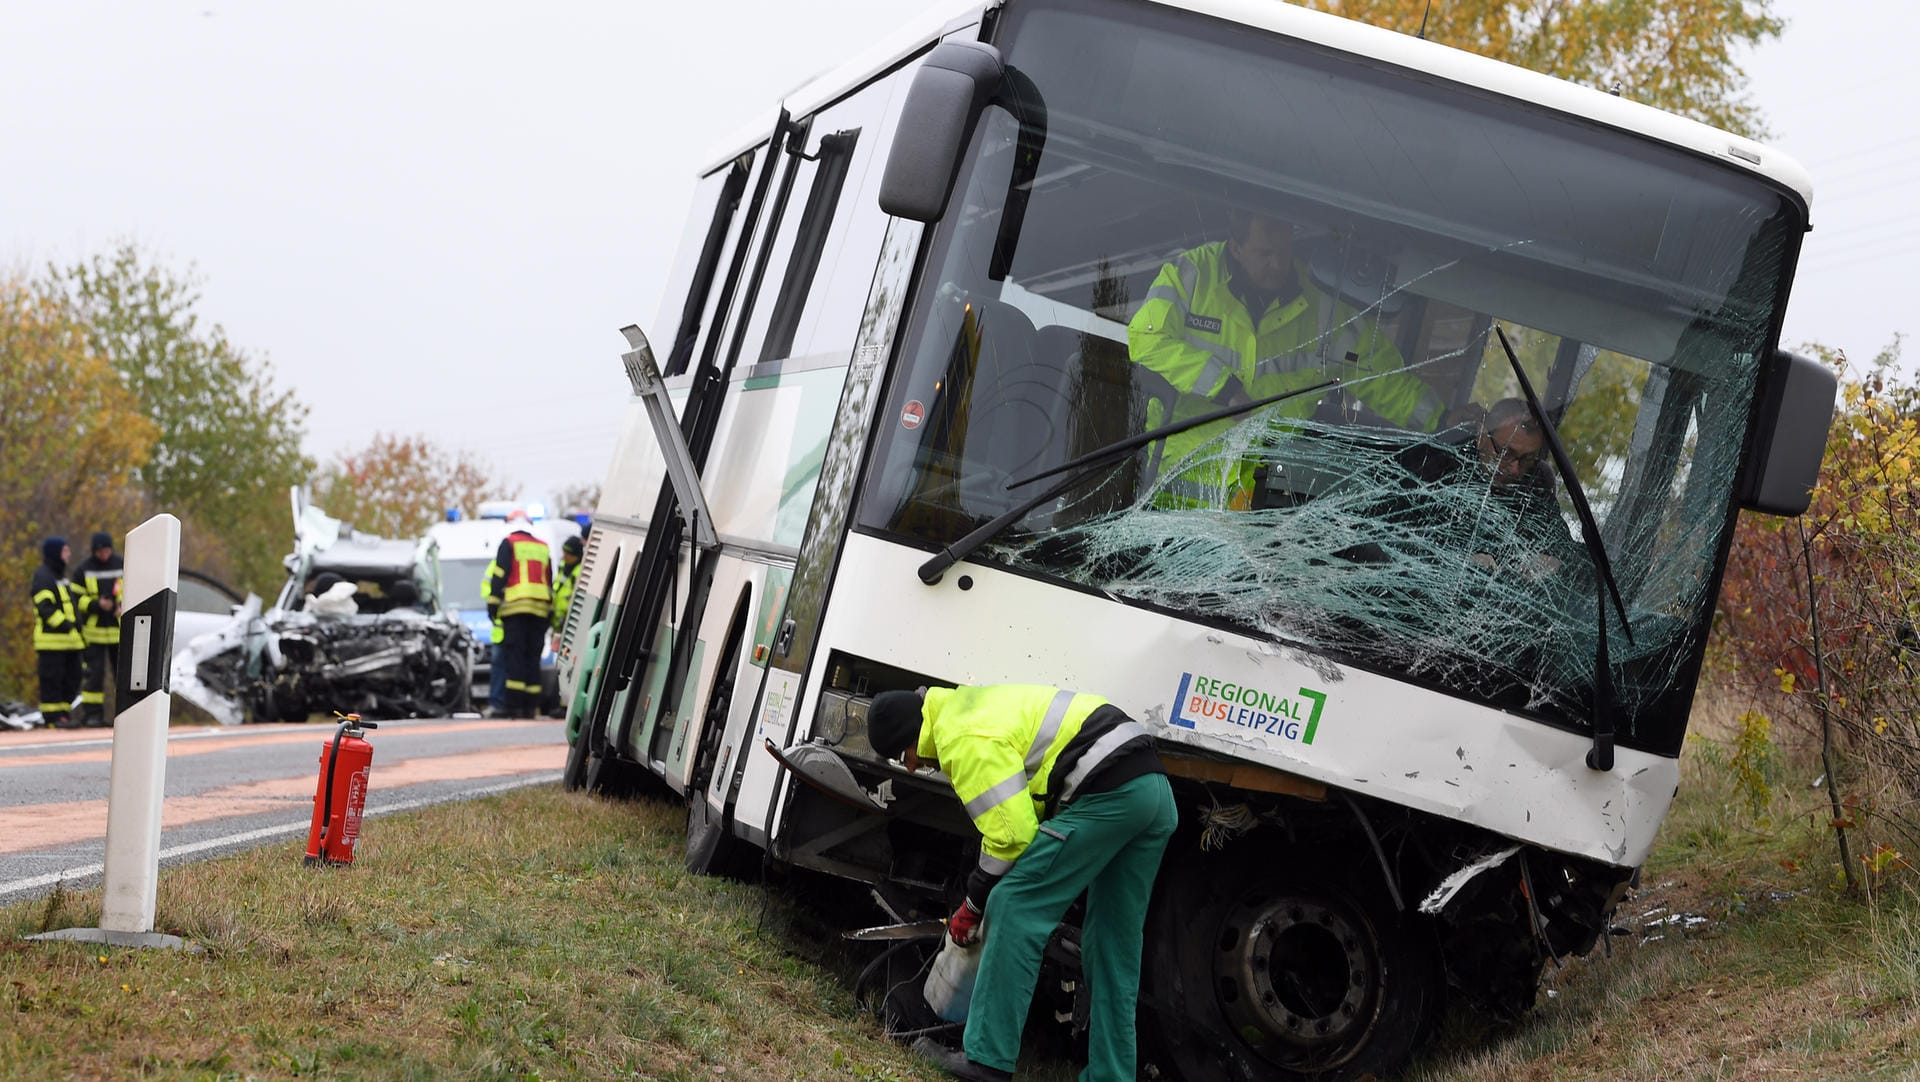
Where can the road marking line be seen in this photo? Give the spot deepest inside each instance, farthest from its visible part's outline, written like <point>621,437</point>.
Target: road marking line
<point>84,870</point>
<point>38,826</point>
<point>410,726</point>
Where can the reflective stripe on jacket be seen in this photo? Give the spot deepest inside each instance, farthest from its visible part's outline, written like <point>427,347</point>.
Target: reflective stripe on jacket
<point>490,586</point>
<point>1197,333</point>
<point>56,619</point>
<point>999,745</point>
<point>525,575</point>
<point>563,580</point>
<point>92,580</point>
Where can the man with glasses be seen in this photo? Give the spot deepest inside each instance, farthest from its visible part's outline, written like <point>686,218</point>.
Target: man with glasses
<point>1494,501</point>
<point>1511,447</point>
<point>1511,444</point>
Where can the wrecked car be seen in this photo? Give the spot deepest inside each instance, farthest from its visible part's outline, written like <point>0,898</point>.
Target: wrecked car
<point>357,627</point>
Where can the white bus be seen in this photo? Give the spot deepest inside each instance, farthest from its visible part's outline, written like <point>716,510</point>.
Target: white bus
<point>1423,727</point>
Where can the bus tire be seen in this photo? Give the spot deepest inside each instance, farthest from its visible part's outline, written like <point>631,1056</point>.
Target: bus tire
<point>1308,972</point>
<point>593,766</point>
<point>711,847</point>
<point>574,777</point>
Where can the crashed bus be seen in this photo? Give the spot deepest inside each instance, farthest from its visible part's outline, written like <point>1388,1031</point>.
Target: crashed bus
<point>899,430</point>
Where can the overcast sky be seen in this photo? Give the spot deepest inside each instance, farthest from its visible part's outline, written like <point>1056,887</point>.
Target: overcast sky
<point>435,217</point>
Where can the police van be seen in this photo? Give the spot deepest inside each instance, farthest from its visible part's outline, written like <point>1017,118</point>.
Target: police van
<point>467,545</point>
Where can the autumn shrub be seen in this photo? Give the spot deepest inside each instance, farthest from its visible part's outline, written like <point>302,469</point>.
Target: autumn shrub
<point>70,436</point>
<point>1818,628</point>
<point>397,486</point>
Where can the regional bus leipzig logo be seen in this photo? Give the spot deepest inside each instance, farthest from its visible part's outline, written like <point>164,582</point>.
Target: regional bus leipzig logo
<point>1204,698</point>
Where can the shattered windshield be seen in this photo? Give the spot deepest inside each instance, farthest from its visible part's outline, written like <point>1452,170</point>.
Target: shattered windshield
<point>1139,246</point>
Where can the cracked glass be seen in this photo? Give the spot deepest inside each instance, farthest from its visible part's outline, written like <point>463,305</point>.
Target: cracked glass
<point>1130,247</point>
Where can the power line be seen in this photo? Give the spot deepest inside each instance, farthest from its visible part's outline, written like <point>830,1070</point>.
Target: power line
<point>1847,197</point>
<point>1876,148</point>
<point>1853,261</point>
<point>1876,225</point>
<point>1843,179</point>
<point>1836,93</point>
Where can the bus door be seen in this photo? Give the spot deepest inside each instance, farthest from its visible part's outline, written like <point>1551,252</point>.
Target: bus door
<point>638,656</point>
<point>799,325</point>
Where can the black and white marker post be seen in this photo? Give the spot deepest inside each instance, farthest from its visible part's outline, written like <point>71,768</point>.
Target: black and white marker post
<point>139,775</point>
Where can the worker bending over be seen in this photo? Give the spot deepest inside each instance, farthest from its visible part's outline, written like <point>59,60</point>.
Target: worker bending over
<point>1069,796</point>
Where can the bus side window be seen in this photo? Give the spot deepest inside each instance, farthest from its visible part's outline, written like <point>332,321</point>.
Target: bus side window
<point>822,255</point>
<point>832,159</point>
<point>712,222</point>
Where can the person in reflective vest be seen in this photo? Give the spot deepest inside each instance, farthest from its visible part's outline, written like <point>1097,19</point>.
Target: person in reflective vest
<point>522,600</point>
<point>1068,795</point>
<point>496,643</point>
<point>564,578</point>
<point>1241,319</point>
<point>57,643</point>
<point>97,579</point>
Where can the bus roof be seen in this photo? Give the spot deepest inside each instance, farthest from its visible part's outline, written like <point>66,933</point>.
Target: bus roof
<point>1344,35</point>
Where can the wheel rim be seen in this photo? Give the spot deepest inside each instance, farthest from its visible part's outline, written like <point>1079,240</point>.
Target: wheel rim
<point>1299,978</point>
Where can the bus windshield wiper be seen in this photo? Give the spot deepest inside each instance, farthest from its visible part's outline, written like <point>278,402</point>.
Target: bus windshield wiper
<point>1600,756</point>
<point>1088,465</point>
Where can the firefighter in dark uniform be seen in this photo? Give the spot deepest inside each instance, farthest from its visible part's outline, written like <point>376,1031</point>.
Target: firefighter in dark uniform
<point>521,598</point>
<point>56,633</point>
<point>1069,796</point>
<point>97,579</point>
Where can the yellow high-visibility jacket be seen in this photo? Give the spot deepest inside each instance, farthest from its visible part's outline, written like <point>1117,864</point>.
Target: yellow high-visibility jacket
<point>564,578</point>
<point>56,619</point>
<point>524,576</point>
<point>490,591</point>
<point>1197,333</point>
<point>999,746</point>
<point>92,580</point>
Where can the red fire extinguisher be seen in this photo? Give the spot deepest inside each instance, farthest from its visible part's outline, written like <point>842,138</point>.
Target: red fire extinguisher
<point>342,795</point>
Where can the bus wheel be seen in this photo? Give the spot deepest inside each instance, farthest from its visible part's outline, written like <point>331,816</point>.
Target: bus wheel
<point>574,777</point>
<point>1283,975</point>
<point>711,847</point>
<point>593,766</point>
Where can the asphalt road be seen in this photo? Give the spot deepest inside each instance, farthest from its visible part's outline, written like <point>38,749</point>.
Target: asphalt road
<point>231,788</point>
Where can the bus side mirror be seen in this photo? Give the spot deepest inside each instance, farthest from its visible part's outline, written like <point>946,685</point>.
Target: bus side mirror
<point>953,85</point>
<point>1795,412</point>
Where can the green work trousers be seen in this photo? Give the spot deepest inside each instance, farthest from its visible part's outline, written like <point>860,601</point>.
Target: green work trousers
<point>1109,845</point>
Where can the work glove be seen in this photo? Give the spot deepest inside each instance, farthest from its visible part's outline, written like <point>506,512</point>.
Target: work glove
<point>964,925</point>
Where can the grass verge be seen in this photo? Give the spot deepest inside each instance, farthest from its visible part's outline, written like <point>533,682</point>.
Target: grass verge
<point>1740,958</point>
<point>533,935</point>
<point>547,935</point>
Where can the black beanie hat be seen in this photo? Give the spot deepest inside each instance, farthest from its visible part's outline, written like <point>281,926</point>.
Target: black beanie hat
<point>572,545</point>
<point>50,549</point>
<point>102,540</point>
<point>893,722</point>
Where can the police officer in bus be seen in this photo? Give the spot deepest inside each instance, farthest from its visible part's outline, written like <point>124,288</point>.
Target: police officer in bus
<point>1241,319</point>
<point>1069,796</point>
